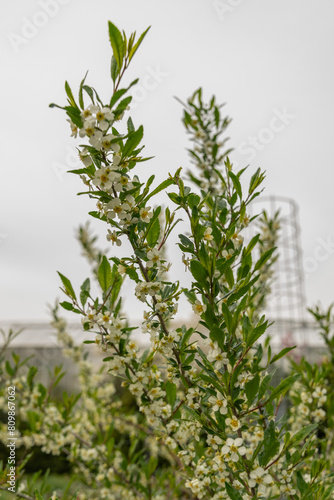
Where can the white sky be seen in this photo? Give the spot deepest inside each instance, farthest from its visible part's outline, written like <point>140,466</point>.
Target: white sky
<point>259,57</point>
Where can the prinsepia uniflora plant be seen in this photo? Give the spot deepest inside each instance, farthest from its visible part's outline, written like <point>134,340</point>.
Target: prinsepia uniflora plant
<point>205,424</point>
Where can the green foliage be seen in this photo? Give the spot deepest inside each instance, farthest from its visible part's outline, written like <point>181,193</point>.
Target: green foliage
<point>202,418</point>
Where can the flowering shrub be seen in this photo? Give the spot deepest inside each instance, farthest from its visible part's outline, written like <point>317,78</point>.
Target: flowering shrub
<point>206,423</point>
<point>312,402</point>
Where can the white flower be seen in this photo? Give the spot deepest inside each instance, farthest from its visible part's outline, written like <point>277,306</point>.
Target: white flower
<point>186,262</point>
<point>217,356</point>
<point>214,441</point>
<point>130,200</point>
<point>124,182</point>
<point>107,144</point>
<point>145,214</point>
<point>303,409</point>
<point>259,477</point>
<point>121,269</point>
<point>207,234</point>
<point>320,394</point>
<point>219,403</point>
<point>74,128</point>
<point>161,308</point>
<point>85,158</point>
<point>137,389</point>
<point>142,289</point>
<point>287,488</point>
<point>233,448</point>
<point>102,178</point>
<point>95,137</point>
<point>153,257</point>
<point>113,237</point>
<point>237,240</point>
<point>104,318</point>
<point>88,112</point>
<point>90,317</point>
<point>116,207</point>
<point>233,423</point>
<point>318,414</point>
<point>116,159</point>
<point>104,116</point>
<point>227,255</point>
<point>198,308</point>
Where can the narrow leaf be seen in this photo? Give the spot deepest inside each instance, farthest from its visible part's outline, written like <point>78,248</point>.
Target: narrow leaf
<point>117,43</point>
<point>198,271</point>
<point>232,492</point>
<point>133,141</point>
<point>104,274</point>
<point>283,387</point>
<point>164,185</point>
<point>136,45</point>
<point>68,286</point>
<point>282,353</point>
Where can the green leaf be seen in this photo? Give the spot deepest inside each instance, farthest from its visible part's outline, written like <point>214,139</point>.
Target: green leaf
<point>69,307</point>
<point>133,141</point>
<point>208,378</point>
<point>264,258</point>
<point>88,171</point>
<point>271,444</point>
<point>170,389</point>
<point>236,183</point>
<point>89,91</point>
<point>164,185</point>
<point>301,484</point>
<point>68,289</point>
<point>117,44</point>
<point>119,93</point>
<point>85,290</point>
<point>81,101</point>
<point>186,242</point>
<point>229,276</point>
<point>198,271</point>
<point>114,70</point>
<point>74,115</point>
<point>251,245</point>
<point>302,434</point>
<point>283,387</point>
<point>256,333</point>
<point>31,374</point>
<point>136,45</point>
<point>282,353</point>
<point>122,106</point>
<point>9,369</point>
<point>227,316</point>
<point>154,233</point>
<point>104,274</point>
<point>156,214</point>
<point>130,125</point>
<point>232,492</point>
<point>132,273</point>
<point>192,413</point>
<point>70,95</point>
<point>265,383</point>
<point>43,393</point>
<point>252,387</point>
<point>193,200</point>
<point>117,282</point>
<point>38,496</point>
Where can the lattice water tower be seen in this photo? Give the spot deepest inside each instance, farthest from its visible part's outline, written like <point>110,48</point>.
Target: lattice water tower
<point>287,304</point>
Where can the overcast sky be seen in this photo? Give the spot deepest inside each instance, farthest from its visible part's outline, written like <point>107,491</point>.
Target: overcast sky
<point>271,62</point>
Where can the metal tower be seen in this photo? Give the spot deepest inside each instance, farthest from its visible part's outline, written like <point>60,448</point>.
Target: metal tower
<point>286,305</point>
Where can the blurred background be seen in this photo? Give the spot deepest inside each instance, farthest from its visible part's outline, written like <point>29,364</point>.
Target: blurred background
<point>270,62</point>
